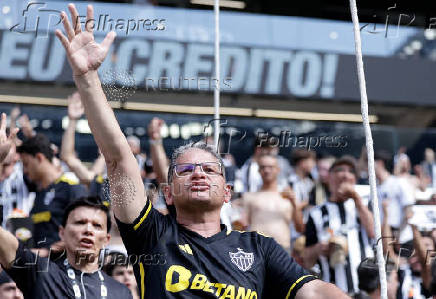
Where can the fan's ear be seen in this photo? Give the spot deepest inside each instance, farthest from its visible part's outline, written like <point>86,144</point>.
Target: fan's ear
<point>227,192</point>
<point>167,191</point>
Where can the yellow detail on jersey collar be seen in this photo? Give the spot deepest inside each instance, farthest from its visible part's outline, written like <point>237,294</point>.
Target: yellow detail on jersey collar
<point>65,179</point>
<point>99,179</point>
<point>41,217</point>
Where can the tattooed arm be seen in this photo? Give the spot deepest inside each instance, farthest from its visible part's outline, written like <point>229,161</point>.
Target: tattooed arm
<point>85,57</point>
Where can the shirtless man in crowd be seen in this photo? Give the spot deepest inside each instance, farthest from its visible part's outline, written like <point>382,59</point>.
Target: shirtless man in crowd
<point>270,211</point>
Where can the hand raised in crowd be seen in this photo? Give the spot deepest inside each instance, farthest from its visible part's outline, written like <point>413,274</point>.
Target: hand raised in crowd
<point>75,107</point>
<point>324,247</point>
<point>409,216</point>
<point>15,112</point>
<point>154,128</point>
<point>346,191</point>
<point>289,194</point>
<point>25,125</point>
<point>423,178</point>
<point>83,52</point>
<point>6,142</point>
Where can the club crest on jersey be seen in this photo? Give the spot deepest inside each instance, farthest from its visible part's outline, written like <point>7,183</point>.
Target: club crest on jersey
<point>242,260</point>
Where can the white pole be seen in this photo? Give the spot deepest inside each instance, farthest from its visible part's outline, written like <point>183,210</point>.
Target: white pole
<point>216,92</point>
<point>370,149</point>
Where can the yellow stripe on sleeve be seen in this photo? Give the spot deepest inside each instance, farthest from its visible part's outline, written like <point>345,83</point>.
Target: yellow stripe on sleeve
<point>137,225</point>
<point>295,283</point>
<point>142,273</point>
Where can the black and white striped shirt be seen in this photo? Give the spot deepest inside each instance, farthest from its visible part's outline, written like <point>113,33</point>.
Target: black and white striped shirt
<point>341,219</point>
<point>410,285</point>
<point>14,194</point>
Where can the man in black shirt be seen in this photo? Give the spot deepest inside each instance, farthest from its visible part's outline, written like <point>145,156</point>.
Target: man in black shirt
<point>55,191</point>
<point>84,232</point>
<point>192,255</point>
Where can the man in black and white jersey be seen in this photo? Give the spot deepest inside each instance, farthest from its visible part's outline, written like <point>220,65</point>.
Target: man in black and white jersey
<point>343,223</point>
<point>192,255</point>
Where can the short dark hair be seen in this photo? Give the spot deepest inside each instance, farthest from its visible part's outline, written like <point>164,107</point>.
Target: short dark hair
<point>301,154</point>
<point>37,144</point>
<point>115,259</point>
<point>92,202</point>
<point>368,274</point>
<point>269,156</point>
<point>386,158</point>
<point>324,155</point>
<point>345,160</point>
<point>4,277</point>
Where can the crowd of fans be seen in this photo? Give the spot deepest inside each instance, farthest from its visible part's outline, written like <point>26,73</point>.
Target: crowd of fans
<point>315,207</point>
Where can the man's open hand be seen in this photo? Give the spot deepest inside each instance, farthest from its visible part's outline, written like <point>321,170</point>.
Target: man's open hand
<point>83,53</point>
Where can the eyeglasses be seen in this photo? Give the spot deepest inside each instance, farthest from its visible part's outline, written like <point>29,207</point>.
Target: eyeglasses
<point>209,168</point>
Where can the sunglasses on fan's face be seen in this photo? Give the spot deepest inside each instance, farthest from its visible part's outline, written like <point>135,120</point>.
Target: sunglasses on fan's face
<point>209,168</point>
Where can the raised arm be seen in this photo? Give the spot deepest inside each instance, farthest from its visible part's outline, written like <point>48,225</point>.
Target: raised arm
<point>320,289</point>
<point>8,243</point>
<point>387,236</point>
<point>8,248</point>
<point>99,165</point>
<point>365,216</point>
<point>157,151</point>
<point>6,142</point>
<point>26,127</point>
<point>85,57</point>
<point>75,111</point>
<point>346,191</point>
<point>423,257</point>
<point>297,209</point>
<point>15,112</point>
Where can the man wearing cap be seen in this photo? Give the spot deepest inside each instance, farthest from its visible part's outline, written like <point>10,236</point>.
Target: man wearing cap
<point>339,232</point>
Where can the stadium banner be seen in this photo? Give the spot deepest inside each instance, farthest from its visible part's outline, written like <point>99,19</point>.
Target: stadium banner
<point>172,49</point>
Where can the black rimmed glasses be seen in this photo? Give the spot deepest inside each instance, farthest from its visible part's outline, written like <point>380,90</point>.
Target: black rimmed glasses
<point>209,168</point>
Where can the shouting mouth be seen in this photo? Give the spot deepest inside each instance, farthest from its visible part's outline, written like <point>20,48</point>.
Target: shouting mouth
<point>86,242</point>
